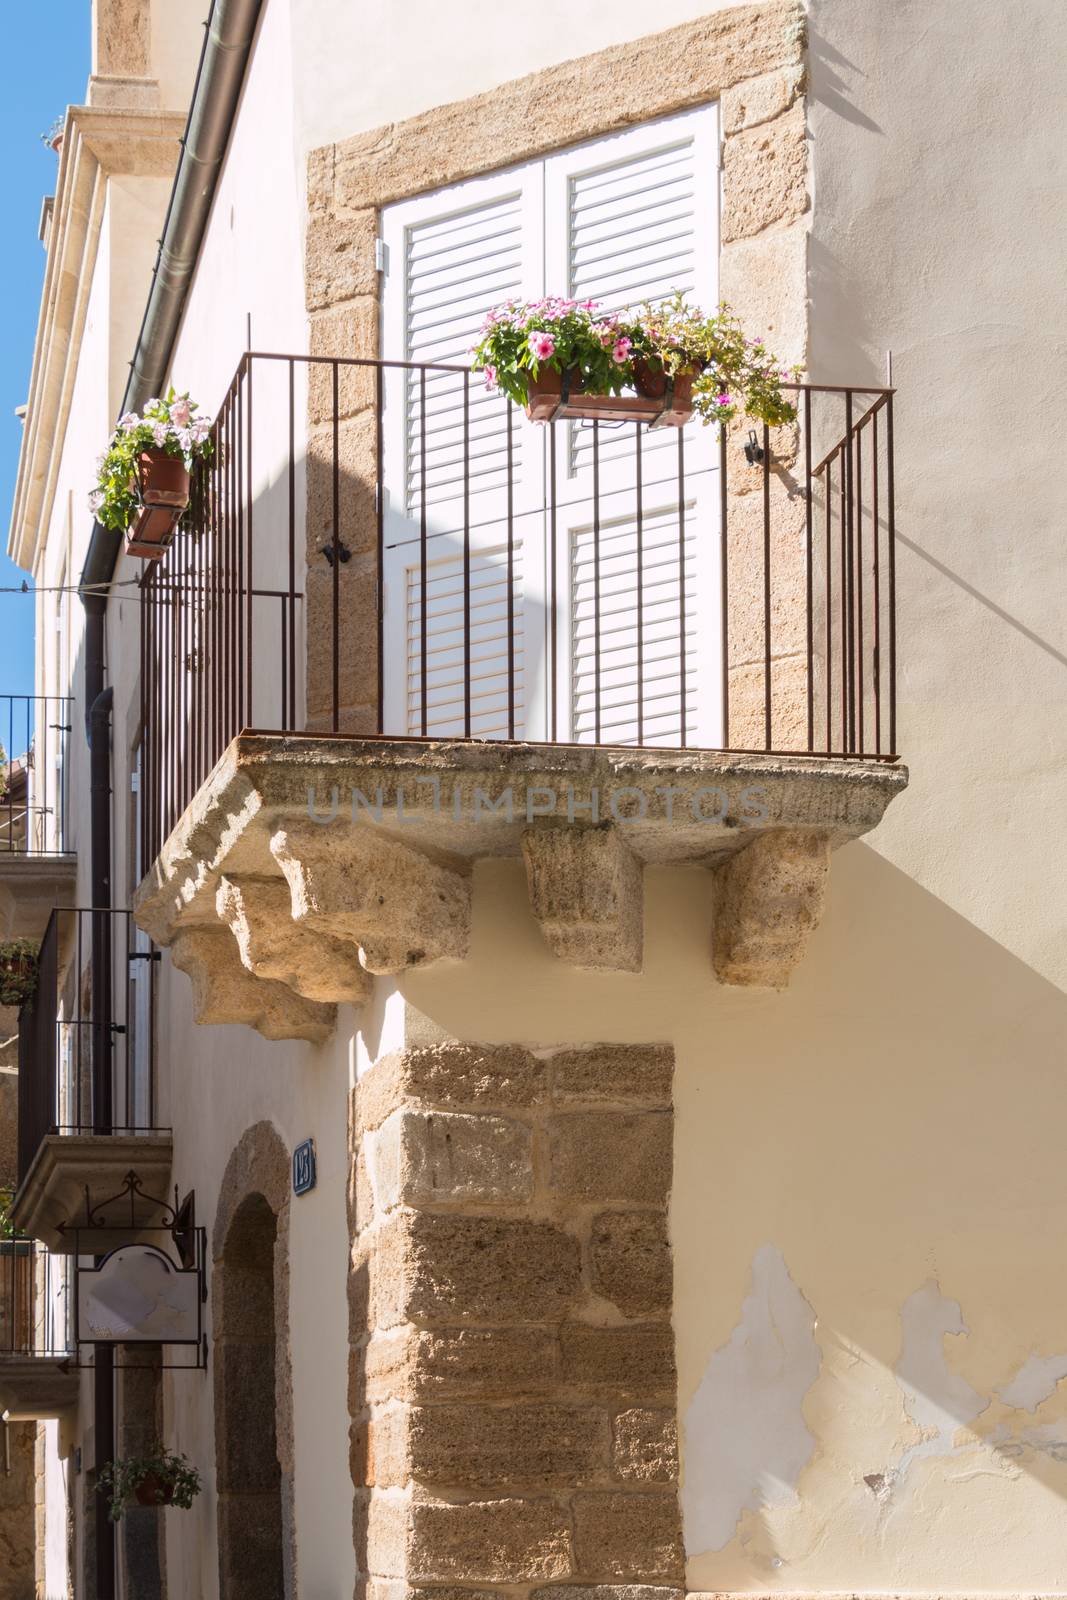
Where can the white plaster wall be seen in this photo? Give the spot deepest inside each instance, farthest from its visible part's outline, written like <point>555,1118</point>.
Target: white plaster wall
<point>56,1472</point>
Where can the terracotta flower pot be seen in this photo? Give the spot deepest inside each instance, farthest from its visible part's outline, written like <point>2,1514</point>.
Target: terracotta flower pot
<point>154,1491</point>
<point>164,482</point>
<point>675,394</point>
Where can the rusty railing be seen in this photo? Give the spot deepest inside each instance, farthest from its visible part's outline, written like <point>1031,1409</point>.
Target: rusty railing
<point>603,584</point>
<point>34,781</point>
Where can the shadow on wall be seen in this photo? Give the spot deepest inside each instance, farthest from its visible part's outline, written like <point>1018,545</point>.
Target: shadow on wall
<point>867,1203</point>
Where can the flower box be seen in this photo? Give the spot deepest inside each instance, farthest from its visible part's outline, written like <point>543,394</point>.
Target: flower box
<point>163,494</point>
<point>551,395</point>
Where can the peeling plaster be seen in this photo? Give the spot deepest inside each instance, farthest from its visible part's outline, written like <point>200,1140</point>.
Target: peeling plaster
<point>936,1399</point>
<point>746,1438</point>
<point>1034,1382</point>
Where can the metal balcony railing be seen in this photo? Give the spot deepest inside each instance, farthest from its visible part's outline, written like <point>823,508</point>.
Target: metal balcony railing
<point>35,1309</point>
<point>432,565</point>
<point>87,1035</point>
<point>34,784</point>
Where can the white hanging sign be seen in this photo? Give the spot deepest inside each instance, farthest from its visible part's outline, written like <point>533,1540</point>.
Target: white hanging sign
<point>138,1295</point>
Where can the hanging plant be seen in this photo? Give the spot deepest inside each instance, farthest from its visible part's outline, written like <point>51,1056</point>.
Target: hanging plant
<point>18,972</point>
<point>570,358</point>
<point>143,477</point>
<point>161,1479</point>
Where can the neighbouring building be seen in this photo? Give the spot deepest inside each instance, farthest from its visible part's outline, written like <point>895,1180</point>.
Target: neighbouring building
<point>552,934</point>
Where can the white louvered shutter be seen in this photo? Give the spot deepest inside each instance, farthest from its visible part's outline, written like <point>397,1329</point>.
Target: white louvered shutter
<point>628,219</point>
<point>451,256</point>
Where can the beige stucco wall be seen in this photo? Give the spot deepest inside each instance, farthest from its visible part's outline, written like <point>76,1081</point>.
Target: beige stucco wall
<point>879,1145</point>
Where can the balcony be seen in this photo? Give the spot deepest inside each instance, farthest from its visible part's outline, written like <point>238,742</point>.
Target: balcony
<point>87,1113</point>
<point>595,646</point>
<point>37,866</point>
<point>36,1344</point>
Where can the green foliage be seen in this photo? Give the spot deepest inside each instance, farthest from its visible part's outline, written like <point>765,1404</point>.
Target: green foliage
<point>120,1479</point>
<point>7,1227</point>
<point>735,373</point>
<point>18,971</point>
<point>170,425</point>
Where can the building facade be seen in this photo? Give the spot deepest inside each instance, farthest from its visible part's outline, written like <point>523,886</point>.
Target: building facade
<point>561,924</point>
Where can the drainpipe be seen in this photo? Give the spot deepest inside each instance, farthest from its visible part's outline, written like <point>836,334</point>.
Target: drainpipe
<point>98,702</point>
<point>228,36</point>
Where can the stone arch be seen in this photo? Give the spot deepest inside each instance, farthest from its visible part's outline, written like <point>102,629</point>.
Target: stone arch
<point>253,1372</point>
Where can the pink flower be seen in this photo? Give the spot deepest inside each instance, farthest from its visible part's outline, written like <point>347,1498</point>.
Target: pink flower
<point>490,377</point>
<point>621,350</point>
<point>180,414</point>
<point>723,400</point>
<point>542,346</point>
<point>159,433</point>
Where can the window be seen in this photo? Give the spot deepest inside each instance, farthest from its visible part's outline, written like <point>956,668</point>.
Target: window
<point>624,219</point>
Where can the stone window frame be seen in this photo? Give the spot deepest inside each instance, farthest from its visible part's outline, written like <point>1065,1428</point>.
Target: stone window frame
<point>750,59</point>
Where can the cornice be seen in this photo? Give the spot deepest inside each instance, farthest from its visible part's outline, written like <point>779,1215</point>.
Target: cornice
<point>99,142</point>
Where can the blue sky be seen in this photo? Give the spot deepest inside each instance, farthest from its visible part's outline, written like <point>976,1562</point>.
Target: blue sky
<point>46,67</point>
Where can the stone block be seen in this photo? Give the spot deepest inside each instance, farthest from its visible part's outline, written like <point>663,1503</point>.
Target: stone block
<point>356,883</point>
<point>534,1446</point>
<point>419,1158</point>
<point>631,1261</point>
<point>637,1360</point>
<point>492,1541</point>
<point>781,553</point>
<point>765,281</point>
<point>459,1363</point>
<point>344,498</point>
<point>611,1155</point>
<point>350,331</point>
<point>586,892</point>
<point>789,706</point>
<point>607,1591</point>
<point>257,912</point>
<point>765,173</point>
<point>486,1269</point>
<point>606,1074</point>
<point>474,1076</point>
<point>628,1536</point>
<point>224,992</point>
<point>339,259</point>
<point>645,1445</point>
<point>769,898</point>
<point>760,99</point>
<point>354,639</point>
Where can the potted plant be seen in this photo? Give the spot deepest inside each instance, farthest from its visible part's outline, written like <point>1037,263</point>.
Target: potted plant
<point>18,971</point>
<point>142,484</point>
<point>53,139</point>
<point>568,358</point>
<point>161,1479</point>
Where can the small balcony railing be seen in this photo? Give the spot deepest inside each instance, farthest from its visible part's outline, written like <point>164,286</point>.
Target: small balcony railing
<point>87,1036</point>
<point>431,565</point>
<point>35,735</point>
<point>35,1310</point>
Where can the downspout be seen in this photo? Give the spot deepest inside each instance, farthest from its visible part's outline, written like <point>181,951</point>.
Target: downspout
<point>228,36</point>
<point>98,702</point>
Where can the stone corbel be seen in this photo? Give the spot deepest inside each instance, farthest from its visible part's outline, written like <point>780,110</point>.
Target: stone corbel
<point>769,898</point>
<point>223,991</point>
<point>586,892</point>
<point>258,912</point>
<point>401,907</point>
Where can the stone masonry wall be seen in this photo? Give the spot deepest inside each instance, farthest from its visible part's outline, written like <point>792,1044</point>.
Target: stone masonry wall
<point>751,59</point>
<point>17,1514</point>
<point>512,1377</point>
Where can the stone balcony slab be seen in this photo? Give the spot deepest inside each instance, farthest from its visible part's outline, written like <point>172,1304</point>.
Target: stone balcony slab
<point>326,859</point>
<point>31,886</point>
<point>73,1171</point>
<point>36,1388</point>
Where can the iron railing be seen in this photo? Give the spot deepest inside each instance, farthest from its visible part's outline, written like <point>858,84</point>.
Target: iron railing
<point>34,780</point>
<point>35,1309</point>
<point>583,583</point>
<point>80,1073</point>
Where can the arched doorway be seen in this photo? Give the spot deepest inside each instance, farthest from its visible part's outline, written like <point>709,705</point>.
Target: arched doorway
<point>251,1374</point>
